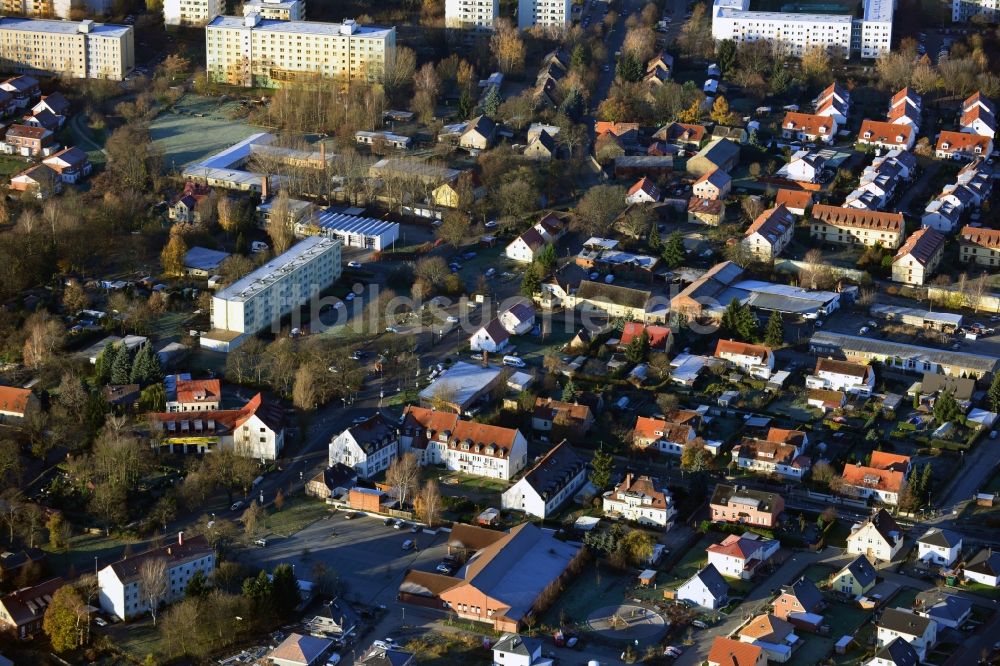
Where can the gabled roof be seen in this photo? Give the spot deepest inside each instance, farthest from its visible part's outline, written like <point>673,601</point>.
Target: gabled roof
<point>54,102</point>
<point>617,129</point>
<point>72,156</point>
<point>985,562</point>
<point>686,132</point>
<point>735,546</point>
<point>644,184</point>
<point>658,335</point>
<point>515,644</point>
<point>922,245</point>
<point>884,524</point>
<point>786,436</point>
<point>793,198</point>
<point>373,434</point>
<point>975,113</point>
<point>898,653</point>
<point>300,649</point>
<point>720,152</point>
<point>555,470</point>
<point>808,123</point>
<point>906,94</point>
<point>978,99</point>
<point>712,580</point>
<point>829,397</point>
<point>613,294</point>
<point>903,622</point>
<point>961,388</point>
<point>806,593</point>
<point>495,330</point>
<point>940,606</point>
<point>988,238</point>
<point>760,352</point>
<point>199,390</point>
<point>772,224</point>
<point>935,536</point>
<point>716,177</point>
<point>482,125</point>
<point>834,366</point>
<point>28,132</point>
<point>547,409</point>
<point>877,131</point>
<point>729,652</point>
<point>859,219</point>
<point>127,569</point>
<point>862,570</point>
<point>656,429</point>
<point>962,142</point>
<point>767,628</point>
<point>14,399</point>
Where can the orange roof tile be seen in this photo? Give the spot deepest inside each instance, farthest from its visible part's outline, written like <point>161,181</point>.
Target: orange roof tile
<point>988,238</point>
<point>793,198</point>
<point>960,142</point>
<point>883,132</point>
<point>14,400</point>
<point>727,652</point>
<point>838,216</point>
<point>808,123</point>
<point>741,349</point>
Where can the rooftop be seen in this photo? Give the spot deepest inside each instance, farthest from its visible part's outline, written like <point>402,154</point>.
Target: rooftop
<point>302,27</point>
<point>63,27</point>
<point>297,256</point>
<point>859,344</point>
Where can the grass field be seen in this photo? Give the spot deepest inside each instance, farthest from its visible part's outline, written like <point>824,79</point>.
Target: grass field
<point>843,619</point>
<point>596,587</point>
<point>11,164</point>
<point>297,514</point>
<point>82,551</point>
<point>184,137</point>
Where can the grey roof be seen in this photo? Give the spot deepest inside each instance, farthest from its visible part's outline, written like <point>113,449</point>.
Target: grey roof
<point>379,657</point>
<point>300,649</point>
<point>462,382</point>
<point>62,27</point>
<point>374,434</point>
<point>806,592</point>
<point>335,220</point>
<point>961,388</point>
<point>935,536</point>
<point>948,608</point>
<point>299,27</point>
<point>985,562</point>
<point>724,494</point>
<point>862,570</point>
<point>202,258</point>
<point>903,622</point>
<point>555,470</point>
<point>515,644</point>
<point>612,293</point>
<point>781,303</point>
<point>899,653</point>
<point>645,161</point>
<point>297,256</point>
<point>977,362</point>
<point>713,581</point>
<point>720,152</point>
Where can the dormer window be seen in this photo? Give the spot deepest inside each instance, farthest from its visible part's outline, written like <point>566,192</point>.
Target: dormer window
<point>945,145</point>
<point>868,135</point>
<point>822,130</point>
<point>899,138</point>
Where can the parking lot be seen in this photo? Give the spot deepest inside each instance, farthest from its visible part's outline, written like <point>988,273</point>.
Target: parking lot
<point>367,554</point>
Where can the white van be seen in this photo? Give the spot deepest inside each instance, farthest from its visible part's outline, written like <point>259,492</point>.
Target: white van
<point>513,361</point>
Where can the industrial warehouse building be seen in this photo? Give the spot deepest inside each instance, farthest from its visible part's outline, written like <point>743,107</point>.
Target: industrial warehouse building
<point>352,230</point>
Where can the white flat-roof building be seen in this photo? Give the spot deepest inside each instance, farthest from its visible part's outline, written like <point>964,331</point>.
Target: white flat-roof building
<point>273,290</point>
<point>477,15</point>
<point>225,168</point>
<point>58,8</point>
<point>279,10</point>
<point>964,10</point>
<point>869,36</point>
<point>72,49</point>
<point>352,230</point>
<point>191,12</point>
<point>253,51</point>
<point>543,13</point>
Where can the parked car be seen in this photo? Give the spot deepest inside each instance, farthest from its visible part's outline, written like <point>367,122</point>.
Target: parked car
<point>408,544</point>
<point>236,505</point>
<point>452,319</point>
<point>699,624</point>
<point>354,264</point>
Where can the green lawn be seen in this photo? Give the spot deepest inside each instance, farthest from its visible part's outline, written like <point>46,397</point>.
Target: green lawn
<point>474,483</point>
<point>82,551</point>
<point>297,514</point>
<point>597,586</point>
<point>139,639</point>
<point>11,164</point>
<point>843,619</point>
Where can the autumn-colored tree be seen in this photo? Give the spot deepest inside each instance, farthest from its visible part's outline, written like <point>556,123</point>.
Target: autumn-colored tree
<point>172,256</point>
<point>228,213</point>
<point>816,62</point>
<point>279,500</point>
<point>279,229</point>
<point>507,47</point>
<point>691,114</point>
<point>65,618</point>
<point>720,111</point>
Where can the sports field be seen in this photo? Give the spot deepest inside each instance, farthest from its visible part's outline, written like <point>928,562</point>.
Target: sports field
<point>196,127</point>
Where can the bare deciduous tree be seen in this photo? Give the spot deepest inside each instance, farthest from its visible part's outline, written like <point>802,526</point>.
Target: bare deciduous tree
<point>153,584</point>
<point>403,476</point>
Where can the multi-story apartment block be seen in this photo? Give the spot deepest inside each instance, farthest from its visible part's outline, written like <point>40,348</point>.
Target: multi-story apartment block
<point>851,226</point>
<point>869,36</point>
<point>963,10</point>
<point>442,438</point>
<point>191,12</point>
<point>368,447</point>
<point>272,291</point>
<point>979,246</point>
<point>555,479</point>
<point>48,8</point>
<point>769,234</point>
<point>72,49</point>
<point>279,10</point>
<point>254,51</point>
<point>120,584</point>
<point>256,430</point>
<point>476,15</point>
<point>543,14</point>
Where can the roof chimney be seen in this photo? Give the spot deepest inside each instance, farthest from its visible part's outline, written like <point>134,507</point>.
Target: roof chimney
<point>180,538</point>
<point>263,188</point>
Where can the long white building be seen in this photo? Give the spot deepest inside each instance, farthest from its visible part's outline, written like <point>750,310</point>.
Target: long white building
<point>49,8</point>
<point>868,37</point>
<point>543,14</point>
<point>272,291</point>
<point>253,51</point>
<point>477,15</point>
<point>281,10</point>
<point>70,49</point>
<point>964,10</point>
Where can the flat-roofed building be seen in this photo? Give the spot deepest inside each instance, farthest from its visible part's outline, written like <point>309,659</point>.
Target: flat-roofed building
<point>252,51</point>
<point>353,231</point>
<point>72,49</point>
<point>279,10</point>
<point>543,14</point>
<point>475,15</point>
<point>192,12</point>
<point>275,289</point>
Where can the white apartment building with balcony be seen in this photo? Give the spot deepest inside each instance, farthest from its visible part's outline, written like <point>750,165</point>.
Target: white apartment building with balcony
<point>191,12</point>
<point>868,37</point>
<point>272,291</point>
<point>963,10</point>
<point>543,14</point>
<point>476,15</point>
<point>253,51</point>
<point>72,49</point>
